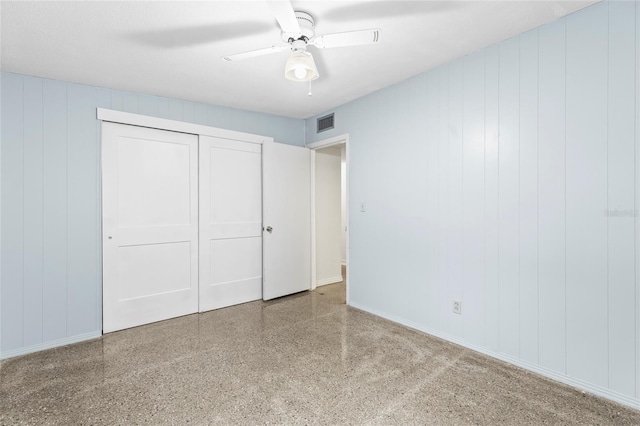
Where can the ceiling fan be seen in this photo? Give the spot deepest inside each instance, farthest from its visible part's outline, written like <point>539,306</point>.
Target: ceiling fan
<point>297,34</point>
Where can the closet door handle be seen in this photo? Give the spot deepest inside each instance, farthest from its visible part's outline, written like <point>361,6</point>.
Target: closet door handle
<point>269,229</point>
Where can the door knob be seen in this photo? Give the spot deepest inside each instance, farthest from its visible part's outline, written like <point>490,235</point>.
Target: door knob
<point>269,229</point>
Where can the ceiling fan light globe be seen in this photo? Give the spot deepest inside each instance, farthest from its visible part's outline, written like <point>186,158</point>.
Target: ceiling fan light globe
<point>300,72</point>
<point>300,67</point>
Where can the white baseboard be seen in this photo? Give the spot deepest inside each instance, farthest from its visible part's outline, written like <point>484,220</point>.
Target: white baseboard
<point>577,383</point>
<point>50,345</point>
<point>330,280</point>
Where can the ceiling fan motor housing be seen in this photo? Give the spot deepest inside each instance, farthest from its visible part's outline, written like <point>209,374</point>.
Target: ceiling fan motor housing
<point>307,24</point>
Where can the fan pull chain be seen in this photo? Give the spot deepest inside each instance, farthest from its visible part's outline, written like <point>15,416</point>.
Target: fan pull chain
<point>309,94</point>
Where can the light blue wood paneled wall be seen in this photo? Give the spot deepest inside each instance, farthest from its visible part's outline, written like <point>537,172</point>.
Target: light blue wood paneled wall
<point>50,289</point>
<point>637,200</point>
<point>522,201</point>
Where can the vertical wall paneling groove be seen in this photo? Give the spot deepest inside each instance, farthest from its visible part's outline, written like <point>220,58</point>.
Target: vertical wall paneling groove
<point>528,200</point>
<point>433,199</point>
<point>176,109</point>
<point>54,309</point>
<point>454,191</point>
<point>130,102</point>
<point>148,105</point>
<point>187,112</point>
<point>509,175</point>
<point>12,212</point>
<point>414,104</point>
<point>82,153</point>
<point>491,178</point>
<point>587,331</point>
<point>621,169</point>
<point>163,107</point>
<point>473,232</point>
<point>637,200</point>
<point>116,100</point>
<point>1,204</point>
<point>213,115</point>
<point>33,211</point>
<point>566,344</point>
<point>383,158</point>
<point>443,196</point>
<point>551,196</point>
<point>200,114</point>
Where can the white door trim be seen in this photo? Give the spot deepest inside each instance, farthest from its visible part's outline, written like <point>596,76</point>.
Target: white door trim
<point>325,143</point>
<point>176,126</point>
<point>312,172</point>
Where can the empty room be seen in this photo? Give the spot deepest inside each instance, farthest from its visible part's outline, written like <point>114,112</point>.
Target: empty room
<point>319,212</point>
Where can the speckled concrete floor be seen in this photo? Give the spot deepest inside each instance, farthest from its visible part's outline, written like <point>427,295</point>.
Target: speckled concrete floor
<point>304,359</point>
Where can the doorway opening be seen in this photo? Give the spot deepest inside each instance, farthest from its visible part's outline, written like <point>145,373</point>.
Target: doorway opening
<point>330,228</point>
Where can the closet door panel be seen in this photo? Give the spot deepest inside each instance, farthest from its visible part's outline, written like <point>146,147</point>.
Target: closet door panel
<point>230,223</point>
<point>236,271</point>
<point>150,225</point>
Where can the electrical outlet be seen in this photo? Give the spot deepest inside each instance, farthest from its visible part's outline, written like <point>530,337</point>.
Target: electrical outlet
<point>457,306</point>
<point>363,207</point>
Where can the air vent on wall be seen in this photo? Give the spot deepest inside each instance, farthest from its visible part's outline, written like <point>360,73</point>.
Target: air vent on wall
<point>324,123</point>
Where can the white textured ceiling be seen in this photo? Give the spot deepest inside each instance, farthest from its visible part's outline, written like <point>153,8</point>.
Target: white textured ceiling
<point>173,49</point>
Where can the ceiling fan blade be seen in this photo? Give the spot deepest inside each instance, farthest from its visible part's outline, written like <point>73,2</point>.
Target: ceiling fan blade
<point>351,38</point>
<point>254,53</point>
<point>286,17</point>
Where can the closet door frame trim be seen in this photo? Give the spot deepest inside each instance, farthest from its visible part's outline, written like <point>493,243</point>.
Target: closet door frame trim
<point>121,117</point>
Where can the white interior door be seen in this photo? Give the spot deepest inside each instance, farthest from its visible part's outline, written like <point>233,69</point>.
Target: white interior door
<point>286,219</point>
<point>230,222</point>
<point>150,225</point>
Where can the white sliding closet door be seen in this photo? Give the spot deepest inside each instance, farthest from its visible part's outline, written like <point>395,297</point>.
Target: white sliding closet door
<point>150,225</point>
<point>230,222</point>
